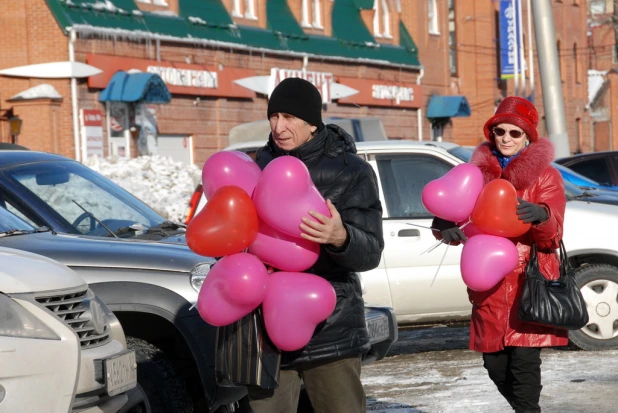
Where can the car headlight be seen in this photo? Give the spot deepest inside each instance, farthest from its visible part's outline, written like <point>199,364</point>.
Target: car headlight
<point>19,322</point>
<point>198,275</point>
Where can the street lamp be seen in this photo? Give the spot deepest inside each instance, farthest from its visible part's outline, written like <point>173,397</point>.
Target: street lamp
<point>15,127</point>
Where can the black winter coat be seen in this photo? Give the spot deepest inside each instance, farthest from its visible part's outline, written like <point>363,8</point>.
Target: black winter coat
<point>351,185</point>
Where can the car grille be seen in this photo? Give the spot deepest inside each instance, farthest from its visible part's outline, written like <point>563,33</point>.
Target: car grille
<point>74,309</point>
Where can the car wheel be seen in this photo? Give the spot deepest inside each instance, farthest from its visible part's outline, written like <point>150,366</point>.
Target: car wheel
<point>159,389</point>
<point>599,286</point>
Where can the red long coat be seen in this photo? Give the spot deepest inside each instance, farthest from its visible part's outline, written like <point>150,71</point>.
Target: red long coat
<point>495,322</point>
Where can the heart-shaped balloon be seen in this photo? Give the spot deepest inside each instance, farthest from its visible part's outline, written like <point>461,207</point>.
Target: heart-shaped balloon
<point>285,194</point>
<point>495,212</point>
<point>228,224</point>
<point>296,302</point>
<point>283,251</point>
<point>229,168</point>
<point>235,286</point>
<point>452,196</point>
<point>487,259</point>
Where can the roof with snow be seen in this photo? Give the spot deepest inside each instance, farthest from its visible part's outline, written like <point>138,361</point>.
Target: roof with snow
<point>208,23</point>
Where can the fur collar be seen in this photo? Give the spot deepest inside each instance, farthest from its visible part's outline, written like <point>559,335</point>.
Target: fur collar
<point>522,171</point>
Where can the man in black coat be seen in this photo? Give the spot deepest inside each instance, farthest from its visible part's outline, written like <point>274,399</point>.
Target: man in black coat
<point>351,241</point>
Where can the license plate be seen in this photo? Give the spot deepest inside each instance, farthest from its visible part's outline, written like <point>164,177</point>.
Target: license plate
<point>378,329</point>
<point>120,373</point>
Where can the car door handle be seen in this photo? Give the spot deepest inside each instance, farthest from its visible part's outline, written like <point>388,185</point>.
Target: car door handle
<point>409,233</point>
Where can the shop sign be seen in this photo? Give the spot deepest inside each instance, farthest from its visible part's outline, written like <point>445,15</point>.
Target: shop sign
<point>180,78</point>
<point>92,132</point>
<point>321,80</point>
<point>383,93</point>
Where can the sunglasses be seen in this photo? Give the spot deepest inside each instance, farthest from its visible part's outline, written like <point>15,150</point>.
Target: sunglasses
<point>513,132</point>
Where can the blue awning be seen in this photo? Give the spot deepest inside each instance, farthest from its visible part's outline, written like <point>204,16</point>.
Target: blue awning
<point>448,107</point>
<point>135,87</point>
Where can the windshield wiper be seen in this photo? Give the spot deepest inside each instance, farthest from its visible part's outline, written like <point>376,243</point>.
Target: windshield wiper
<point>167,225</point>
<point>14,232</point>
<point>95,218</point>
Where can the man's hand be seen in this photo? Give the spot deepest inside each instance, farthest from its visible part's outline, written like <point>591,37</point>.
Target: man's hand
<point>326,230</point>
<point>531,213</point>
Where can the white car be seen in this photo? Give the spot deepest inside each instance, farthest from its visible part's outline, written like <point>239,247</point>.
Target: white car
<point>426,287</point>
<point>61,349</point>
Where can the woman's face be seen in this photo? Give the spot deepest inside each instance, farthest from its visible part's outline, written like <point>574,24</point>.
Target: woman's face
<point>509,139</point>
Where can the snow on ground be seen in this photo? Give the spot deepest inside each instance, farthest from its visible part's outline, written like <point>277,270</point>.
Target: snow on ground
<point>160,182</point>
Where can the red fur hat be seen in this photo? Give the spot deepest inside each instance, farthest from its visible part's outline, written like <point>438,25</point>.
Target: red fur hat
<point>516,111</point>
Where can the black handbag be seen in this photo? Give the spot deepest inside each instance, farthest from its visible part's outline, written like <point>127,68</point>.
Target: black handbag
<point>245,356</point>
<point>557,303</point>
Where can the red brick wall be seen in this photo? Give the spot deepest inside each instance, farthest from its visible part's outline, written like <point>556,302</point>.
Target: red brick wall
<point>210,120</point>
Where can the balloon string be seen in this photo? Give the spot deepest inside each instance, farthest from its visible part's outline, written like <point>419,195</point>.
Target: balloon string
<point>439,265</point>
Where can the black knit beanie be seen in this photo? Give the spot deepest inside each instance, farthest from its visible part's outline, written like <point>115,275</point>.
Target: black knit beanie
<point>297,97</point>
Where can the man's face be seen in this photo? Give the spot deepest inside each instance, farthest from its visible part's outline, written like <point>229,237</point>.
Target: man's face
<point>290,132</point>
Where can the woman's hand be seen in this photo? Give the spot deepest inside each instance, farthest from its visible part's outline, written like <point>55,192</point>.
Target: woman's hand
<point>531,213</point>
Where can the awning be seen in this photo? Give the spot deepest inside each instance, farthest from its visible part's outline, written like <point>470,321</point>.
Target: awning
<point>448,107</point>
<point>135,87</point>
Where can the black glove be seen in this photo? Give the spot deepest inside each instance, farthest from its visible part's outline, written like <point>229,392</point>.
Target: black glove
<point>531,213</point>
<point>449,231</point>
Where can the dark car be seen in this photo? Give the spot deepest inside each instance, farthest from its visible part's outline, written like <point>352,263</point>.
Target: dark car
<point>574,192</point>
<point>568,175</point>
<point>68,197</point>
<point>601,167</point>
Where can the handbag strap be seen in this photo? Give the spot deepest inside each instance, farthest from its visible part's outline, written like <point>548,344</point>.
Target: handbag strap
<point>565,265</point>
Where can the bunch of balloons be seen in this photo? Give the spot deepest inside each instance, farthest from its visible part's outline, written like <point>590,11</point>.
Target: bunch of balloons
<point>252,219</point>
<point>487,215</point>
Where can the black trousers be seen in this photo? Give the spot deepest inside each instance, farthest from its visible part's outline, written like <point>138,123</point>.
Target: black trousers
<point>516,371</point>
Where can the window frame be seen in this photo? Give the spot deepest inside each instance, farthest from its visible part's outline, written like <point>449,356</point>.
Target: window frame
<point>433,23</point>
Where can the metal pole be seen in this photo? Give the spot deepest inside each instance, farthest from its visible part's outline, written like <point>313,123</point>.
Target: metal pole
<point>520,31</point>
<point>74,106</point>
<point>516,52</point>
<point>530,54</point>
<point>549,67</point>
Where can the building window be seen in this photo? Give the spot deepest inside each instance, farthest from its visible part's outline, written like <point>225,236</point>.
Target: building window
<point>381,19</point>
<point>596,6</point>
<point>236,10</point>
<point>248,12</point>
<point>561,61</point>
<point>576,63</point>
<point>452,37</point>
<point>317,15</point>
<point>432,17</point>
<point>311,14</point>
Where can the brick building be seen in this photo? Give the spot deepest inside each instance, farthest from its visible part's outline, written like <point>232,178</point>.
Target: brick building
<point>603,74</point>
<point>215,61</point>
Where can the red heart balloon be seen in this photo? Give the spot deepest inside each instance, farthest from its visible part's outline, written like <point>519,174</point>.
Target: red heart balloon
<point>228,224</point>
<point>495,211</point>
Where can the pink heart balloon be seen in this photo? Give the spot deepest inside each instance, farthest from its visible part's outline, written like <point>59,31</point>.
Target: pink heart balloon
<point>295,304</point>
<point>285,193</point>
<point>452,196</point>
<point>487,259</point>
<point>235,286</point>
<point>283,251</point>
<point>229,168</point>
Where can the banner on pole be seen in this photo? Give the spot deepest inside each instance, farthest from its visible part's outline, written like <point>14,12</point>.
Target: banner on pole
<point>509,39</point>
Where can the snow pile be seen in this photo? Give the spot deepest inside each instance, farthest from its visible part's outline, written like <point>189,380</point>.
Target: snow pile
<point>159,181</point>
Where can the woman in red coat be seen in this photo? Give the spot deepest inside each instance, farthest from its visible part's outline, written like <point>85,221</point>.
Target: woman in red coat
<point>512,348</point>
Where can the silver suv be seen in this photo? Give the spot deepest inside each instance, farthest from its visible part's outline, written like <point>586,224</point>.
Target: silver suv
<point>61,348</point>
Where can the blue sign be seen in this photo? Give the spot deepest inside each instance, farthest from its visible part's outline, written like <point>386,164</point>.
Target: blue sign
<point>509,38</point>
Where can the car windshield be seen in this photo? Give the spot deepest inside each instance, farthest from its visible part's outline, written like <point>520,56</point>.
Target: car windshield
<point>79,196</point>
<point>10,222</point>
<point>581,179</point>
<point>461,152</point>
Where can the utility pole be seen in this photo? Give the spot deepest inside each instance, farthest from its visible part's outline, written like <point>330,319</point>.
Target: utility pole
<point>549,67</point>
